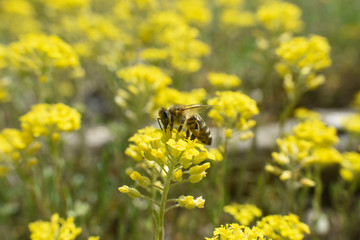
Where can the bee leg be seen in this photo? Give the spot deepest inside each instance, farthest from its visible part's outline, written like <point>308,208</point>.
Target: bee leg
<point>171,122</point>
<point>158,120</point>
<point>181,125</point>
<point>187,133</point>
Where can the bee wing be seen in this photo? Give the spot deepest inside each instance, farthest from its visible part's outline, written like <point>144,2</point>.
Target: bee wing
<point>196,106</point>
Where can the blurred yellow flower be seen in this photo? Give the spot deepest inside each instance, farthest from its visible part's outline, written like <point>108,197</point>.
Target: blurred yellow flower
<point>57,228</point>
<point>355,103</point>
<point>38,54</point>
<point>243,213</point>
<point>233,110</point>
<point>302,52</point>
<point>304,114</point>
<point>235,231</point>
<point>44,119</point>
<point>194,11</point>
<point>144,77</point>
<point>352,123</point>
<point>316,131</point>
<point>223,81</point>
<point>237,18</point>
<point>189,202</point>
<point>279,17</point>
<point>350,165</point>
<point>283,227</point>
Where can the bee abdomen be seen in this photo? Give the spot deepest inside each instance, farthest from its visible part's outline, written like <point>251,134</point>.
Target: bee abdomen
<point>199,129</point>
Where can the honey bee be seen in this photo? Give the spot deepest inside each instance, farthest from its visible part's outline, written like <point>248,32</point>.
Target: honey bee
<point>183,115</point>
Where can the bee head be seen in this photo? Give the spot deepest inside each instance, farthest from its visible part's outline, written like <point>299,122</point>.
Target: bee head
<point>164,117</point>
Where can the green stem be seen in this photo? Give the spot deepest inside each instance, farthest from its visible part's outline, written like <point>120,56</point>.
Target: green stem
<point>54,148</point>
<point>160,232</point>
<point>318,192</point>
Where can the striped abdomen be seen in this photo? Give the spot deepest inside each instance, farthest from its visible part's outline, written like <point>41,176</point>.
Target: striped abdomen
<point>196,125</point>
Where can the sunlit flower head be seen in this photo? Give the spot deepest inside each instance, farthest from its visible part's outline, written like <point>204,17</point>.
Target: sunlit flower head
<point>350,166</point>
<point>224,81</point>
<point>56,228</point>
<point>243,213</point>
<point>316,131</point>
<point>233,110</point>
<point>238,232</point>
<point>40,54</point>
<point>196,12</point>
<point>304,113</point>
<point>352,123</point>
<point>235,18</point>
<point>44,119</point>
<point>154,145</point>
<point>144,78</point>
<point>279,17</point>
<point>283,227</point>
<point>301,52</point>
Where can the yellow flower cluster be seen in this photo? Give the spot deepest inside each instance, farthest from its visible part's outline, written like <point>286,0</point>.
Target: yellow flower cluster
<point>195,12</point>
<point>189,202</point>
<point>223,81</point>
<point>243,213</point>
<point>303,114</point>
<point>40,54</point>
<point>279,17</point>
<point>350,166</point>
<point>238,232</point>
<point>169,32</point>
<point>302,52</point>
<point>352,123</point>
<point>233,109</point>
<point>141,78</point>
<point>316,131</point>
<point>312,143</point>
<point>235,18</point>
<point>45,119</point>
<point>279,227</point>
<point>57,228</point>
<point>165,149</point>
<point>17,17</point>
<point>16,146</point>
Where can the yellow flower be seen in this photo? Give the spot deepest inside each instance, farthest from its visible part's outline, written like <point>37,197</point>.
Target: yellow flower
<point>189,202</point>
<point>350,165</point>
<point>234,18</point>
<point>39,54</point>
<point>324,156</point>
<point>302,52</point>
<point>224,81</point>
<point>194,11</point>
<point>44,119</point>
<point>243,213</point>
<point>142,180</point>
<point>233,110</point>
<point>57,228</point>
<point>352,123</point>
<point>316,131</point>
<point>64,5</point>
<point>283,227</point>
<point>235,231</point>
<point>279,17</point>
<point>167,149</point>
<point>304,114</point>
<point>132,192</point>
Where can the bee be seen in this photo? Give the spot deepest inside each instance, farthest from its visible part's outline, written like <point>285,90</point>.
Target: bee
<point>183,115</point>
